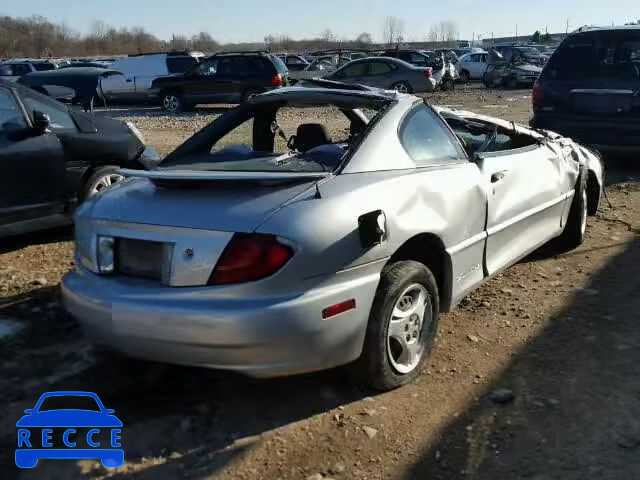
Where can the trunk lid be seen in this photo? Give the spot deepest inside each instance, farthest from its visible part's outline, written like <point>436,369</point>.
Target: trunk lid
<point>205,201</point>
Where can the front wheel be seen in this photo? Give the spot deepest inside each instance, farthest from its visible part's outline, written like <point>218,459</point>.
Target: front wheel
<point>402,87</point>
<point>101,179</point>
<point>465,77</point>
<point>401,329</point>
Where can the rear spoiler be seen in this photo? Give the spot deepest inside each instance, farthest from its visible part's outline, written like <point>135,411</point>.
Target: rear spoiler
<point>198,176</point>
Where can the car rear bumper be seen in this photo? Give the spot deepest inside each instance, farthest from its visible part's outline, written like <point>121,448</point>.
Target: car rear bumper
<point>600,133</point>
<point>204,326</point>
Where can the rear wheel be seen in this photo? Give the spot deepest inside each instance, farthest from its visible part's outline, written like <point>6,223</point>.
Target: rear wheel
<point>402,87</point>
<point>575,230</point>
<point>448,84</point>
<point>511,82</point>
<point>402,325</point>
<point>171,102</point>
<point>101,179</point>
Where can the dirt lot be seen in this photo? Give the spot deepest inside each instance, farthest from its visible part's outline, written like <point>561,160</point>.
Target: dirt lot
<point>535,376</point>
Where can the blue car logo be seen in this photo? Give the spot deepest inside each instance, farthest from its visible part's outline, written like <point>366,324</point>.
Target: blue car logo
<point>52,421</point>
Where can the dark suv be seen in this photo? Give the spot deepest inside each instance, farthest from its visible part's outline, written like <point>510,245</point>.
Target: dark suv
<point>590,89</point>
<point>228,77</point>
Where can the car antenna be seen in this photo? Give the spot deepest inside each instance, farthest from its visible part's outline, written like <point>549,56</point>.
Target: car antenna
<point>318,195</point>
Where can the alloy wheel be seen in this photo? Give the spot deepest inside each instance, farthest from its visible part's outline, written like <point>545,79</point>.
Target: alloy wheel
<point>105,182</point>
<point>402,88</point>
<point>411,316</point>
<point>171,103</point>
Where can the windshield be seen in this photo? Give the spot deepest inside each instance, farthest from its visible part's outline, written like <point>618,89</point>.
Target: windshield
<point>607,54</point>
<point>275,138</point>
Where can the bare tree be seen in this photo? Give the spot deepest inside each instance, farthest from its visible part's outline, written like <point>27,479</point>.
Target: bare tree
<point>269,42</point>
<point>434,34</point>
<point>204,41</point>
<point>178,42</point>
<point>364,40</point>
<point>444,32</point>
<point>393,33</point>
<point>327,38</point>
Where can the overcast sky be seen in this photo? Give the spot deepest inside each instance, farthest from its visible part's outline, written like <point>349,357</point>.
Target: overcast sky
<point>251,20</point>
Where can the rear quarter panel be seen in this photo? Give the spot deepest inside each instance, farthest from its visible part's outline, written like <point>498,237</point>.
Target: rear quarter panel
<point>448,202</point>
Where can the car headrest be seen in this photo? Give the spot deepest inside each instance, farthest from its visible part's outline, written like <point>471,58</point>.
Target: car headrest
<point>311,135</point>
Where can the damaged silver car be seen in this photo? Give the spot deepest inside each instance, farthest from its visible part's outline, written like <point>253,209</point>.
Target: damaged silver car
<point>315,227</point>
<point>514,72</point>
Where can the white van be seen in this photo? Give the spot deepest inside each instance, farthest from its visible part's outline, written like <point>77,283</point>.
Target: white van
<point>139,71</point>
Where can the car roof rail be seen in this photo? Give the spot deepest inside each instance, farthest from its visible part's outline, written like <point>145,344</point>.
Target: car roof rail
<point>340,51</point>
<point>172,53</point>
<point>332,84</point>
<point>242,52</point>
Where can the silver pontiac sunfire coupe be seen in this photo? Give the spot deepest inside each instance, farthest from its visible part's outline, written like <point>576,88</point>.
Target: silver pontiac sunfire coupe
<point>315,227</point>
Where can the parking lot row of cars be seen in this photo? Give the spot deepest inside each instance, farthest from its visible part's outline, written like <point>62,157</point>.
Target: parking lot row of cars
<point>178,80</point>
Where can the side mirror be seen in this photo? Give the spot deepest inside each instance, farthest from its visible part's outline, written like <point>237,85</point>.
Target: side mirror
<point>29,411</point>
<point>41,122</point>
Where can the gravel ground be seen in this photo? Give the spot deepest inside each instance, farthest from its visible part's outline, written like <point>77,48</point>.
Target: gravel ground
<point>534,376</point>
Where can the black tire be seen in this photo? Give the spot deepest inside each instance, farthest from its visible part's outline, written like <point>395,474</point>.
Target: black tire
<point>448,84</point>
<point>465,77</point>
<point>374,368</point>
<point>402,87</point>
<point>575,230</point>
<point>511,82</point>
<point>90,187</point>
<point>171,102</point>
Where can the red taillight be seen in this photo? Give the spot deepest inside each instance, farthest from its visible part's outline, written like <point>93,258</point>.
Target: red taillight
<point>250,257</point>
<point>277,80</point>
<point>338,308</point>
<point>428,73</point>
<point>537,97</point>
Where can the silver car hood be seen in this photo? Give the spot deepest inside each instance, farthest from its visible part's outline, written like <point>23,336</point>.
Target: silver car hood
<point>229,206</point>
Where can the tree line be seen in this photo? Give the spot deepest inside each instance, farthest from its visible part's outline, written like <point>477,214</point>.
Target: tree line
<point>36,36</point>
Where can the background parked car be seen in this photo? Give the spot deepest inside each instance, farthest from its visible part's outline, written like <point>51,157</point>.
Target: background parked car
<point>522,54</point>
<point>72,84</point>
<point>139,71</point>
<point>386,72</point>
<point>294,63</point>
<point>589,89</point>
<point>52,157</point>
<point>228,77</point>
<point>472,66</point>
<point>417,58</point>
<point>11,70</point>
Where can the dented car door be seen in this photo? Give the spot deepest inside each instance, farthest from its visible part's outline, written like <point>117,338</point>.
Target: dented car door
<point>526,197</point>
